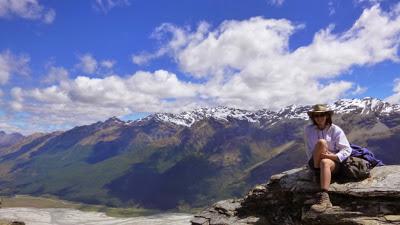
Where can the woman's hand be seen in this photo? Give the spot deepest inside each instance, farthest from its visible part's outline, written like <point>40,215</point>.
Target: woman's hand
<point>330,155</point>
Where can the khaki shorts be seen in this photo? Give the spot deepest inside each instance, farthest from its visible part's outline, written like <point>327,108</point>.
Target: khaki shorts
<point>317,170</point>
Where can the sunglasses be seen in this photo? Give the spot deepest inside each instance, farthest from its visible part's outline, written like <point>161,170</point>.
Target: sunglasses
<point>319,115</point>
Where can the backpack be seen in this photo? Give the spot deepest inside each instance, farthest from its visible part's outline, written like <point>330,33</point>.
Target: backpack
<point>356,169</point>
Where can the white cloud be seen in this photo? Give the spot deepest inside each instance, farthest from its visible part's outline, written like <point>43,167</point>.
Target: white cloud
<point>235,45</point>
<point>16,93</point>
<point>395,98</point>
<point>108,64</point>
<point>90,65</point>
<point>106,5</point>
<point>56,75</point>
<point>87,64</point>
<point>84,99</point>
<point>143,58</point>
<point>50,16</point>
<point>12,64</point>
<point>180,38</point>
<point>248,63</point>
<point>359,90</point>
<point>276,2</point>
<point>331,8</point>
<point>16,106</point>
<point>371,2</point>
<point>7,127</point>
<point>27,9</point>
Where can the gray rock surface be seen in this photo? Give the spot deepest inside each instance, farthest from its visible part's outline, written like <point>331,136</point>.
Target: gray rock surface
<point>287,197</point>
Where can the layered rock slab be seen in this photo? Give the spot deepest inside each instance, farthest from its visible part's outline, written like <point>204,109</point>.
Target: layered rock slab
<point>287,197</point>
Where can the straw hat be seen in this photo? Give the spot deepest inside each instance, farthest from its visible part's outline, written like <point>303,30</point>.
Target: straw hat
<point>319,108</point>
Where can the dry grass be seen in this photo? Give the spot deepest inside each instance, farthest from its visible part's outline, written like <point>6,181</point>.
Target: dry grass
<point>35,202</point>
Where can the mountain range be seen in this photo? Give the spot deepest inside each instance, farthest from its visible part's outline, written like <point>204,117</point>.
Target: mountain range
<point>180,161</point>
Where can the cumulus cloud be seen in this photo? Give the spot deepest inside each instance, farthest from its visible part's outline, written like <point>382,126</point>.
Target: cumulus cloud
<point>12,64</point>
<point>276,2</point>
<point>56,75</point>
<point>245,64</point>
<point>248,63</point>
<point>106,5</point>
<point>144,58</point>
<point>49,17</point>
<point>26,9</point>
<point>87,64</point>
<point>84,99</point>
<point>108,64</point>
<point>395,98</point>
<point>359,90</point>
<point>180,37</point>
<point>9,128</point>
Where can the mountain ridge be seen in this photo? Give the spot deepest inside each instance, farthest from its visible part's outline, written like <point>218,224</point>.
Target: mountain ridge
<point>159,162</point>
<point>366,105</point>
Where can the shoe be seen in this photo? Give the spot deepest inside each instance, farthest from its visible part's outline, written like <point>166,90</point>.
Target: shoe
<point>323,202</point>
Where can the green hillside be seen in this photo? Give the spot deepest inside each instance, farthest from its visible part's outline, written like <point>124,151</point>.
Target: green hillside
<point>164,166</point>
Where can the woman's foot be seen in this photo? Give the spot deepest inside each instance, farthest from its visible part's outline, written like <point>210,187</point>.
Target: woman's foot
<point>323,202</point>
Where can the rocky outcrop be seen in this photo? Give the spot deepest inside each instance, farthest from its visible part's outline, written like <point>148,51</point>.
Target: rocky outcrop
<point>287,197</point>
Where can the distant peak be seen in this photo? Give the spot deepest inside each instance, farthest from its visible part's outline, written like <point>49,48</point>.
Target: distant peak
<point>113,121</point>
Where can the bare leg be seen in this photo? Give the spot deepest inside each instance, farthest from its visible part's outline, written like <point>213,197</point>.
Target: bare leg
<point>320,147</point>
<point>327,167</point>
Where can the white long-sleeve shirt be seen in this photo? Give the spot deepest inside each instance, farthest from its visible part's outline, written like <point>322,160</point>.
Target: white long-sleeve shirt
<point>334,136</point>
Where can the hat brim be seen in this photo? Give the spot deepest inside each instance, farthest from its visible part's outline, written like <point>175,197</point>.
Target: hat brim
<point>310,113</point>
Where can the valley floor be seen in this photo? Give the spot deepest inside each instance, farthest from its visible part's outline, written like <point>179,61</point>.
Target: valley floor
<point>25,201</point>
<point>62,216</point>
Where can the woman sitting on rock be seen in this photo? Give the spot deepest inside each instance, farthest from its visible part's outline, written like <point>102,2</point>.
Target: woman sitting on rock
<point>327,147</point>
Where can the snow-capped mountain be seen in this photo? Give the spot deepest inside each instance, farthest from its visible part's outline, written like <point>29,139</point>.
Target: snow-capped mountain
<point>165,160</point>
<point>366,105</point>
<point>218,113</point>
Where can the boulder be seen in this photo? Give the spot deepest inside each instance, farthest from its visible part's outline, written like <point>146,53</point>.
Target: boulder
<point>287,197</point>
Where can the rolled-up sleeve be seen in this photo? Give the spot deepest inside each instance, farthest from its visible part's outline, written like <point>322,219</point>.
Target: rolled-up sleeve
<point>342,145</point>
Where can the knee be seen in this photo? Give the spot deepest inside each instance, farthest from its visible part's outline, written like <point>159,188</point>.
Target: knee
<point>320,146</point>
<point>322,142</point>
<point>325,163</point>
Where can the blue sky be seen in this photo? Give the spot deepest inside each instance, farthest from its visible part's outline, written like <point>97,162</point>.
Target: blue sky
<point>66,63</point>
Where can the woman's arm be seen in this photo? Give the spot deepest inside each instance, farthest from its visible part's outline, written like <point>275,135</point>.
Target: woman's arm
<point>342,144</point>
